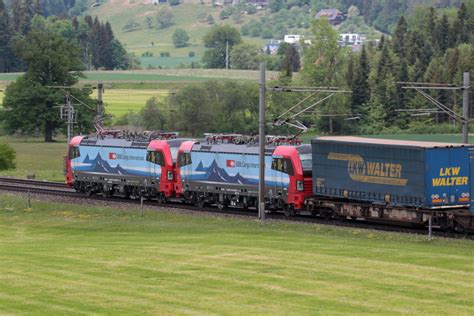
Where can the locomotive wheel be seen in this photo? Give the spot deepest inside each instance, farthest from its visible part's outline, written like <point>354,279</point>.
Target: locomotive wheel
<point>220,206</point>
<point>161,200</point>
<point>288,210</point>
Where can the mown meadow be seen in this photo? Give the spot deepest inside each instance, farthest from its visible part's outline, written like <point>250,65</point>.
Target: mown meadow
<point>70,259</point>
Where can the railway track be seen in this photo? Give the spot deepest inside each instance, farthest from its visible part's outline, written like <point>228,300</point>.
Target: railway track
<point>60,189</point>
<point>39,183</point>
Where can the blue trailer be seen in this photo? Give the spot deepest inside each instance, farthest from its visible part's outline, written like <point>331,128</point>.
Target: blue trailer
<point>423,175</point>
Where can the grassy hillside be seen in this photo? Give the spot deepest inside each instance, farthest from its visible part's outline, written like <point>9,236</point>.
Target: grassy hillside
<point>70,259</point>
<point>119,12</point>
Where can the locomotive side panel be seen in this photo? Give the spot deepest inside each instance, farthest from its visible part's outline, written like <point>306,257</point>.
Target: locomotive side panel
<point>232,173</point>
<point>115,164</point>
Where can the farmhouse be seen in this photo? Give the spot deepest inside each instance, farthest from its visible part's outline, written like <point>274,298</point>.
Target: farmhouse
<point>334,16</point>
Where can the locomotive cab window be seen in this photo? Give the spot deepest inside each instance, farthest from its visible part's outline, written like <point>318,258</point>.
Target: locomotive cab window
<point>184,159</point>
<point>283,165</point>
<point>74,152</point>
<point>155,157</point>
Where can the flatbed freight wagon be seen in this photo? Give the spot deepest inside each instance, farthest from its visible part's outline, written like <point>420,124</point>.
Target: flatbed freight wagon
<point>422,175</point>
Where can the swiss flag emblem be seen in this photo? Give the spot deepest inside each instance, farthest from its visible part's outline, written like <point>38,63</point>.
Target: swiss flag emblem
<point>230,163</point>
<point>112,156</point>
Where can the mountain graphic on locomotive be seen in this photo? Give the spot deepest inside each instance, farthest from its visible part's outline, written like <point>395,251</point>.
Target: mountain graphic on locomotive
<point>334,177</point>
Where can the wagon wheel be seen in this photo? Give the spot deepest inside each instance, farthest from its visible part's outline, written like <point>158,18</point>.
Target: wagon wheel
<point>201,203</point>
<point>88,191</point>
<point>105,193</point>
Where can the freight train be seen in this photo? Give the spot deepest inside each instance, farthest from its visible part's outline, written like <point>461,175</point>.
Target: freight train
<point>401,182</point>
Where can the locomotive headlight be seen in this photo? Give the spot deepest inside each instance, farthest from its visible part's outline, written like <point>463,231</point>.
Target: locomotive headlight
<point>169,175</point>
<point>299,186</point>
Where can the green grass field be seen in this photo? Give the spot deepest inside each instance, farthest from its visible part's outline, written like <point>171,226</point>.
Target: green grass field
<point>33,155</point>
<point>66,259</point>
<point>120,101</point>
<point>159,75</point>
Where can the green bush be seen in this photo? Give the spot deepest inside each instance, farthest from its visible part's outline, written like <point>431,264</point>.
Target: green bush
<point>7,157</point>
<point>191,54</point>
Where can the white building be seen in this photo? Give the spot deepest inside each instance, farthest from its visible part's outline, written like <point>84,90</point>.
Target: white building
<point>292,39</point>
<point>349,39</point>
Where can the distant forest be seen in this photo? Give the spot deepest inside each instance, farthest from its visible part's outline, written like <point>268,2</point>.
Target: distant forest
<point>383,14</point>
<point>96,39</point>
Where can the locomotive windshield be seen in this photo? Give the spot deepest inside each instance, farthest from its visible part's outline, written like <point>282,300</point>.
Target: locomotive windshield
<point>306,158</point>
<point>74,152</point>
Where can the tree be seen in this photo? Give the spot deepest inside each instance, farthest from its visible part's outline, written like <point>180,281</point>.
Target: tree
<point>322,58</point>
<point>153,117</point>
<point>432,25</point>
<point>244,56</point>
<point>460,30</point>
<point>250,9</point>
<point>30,101</point>
<point>360,86</point>
<point>180,38</point>
<point>6,55</point>
<point>276,5</point>
<point>210,19</point>
<point>442,34</point>
<point>7,157</point>
<point>164,18</point>
<point>399,38</point>
<point>149,22</point>
<point>323,66</point>
<point>194,112</point>
<point>215,41</point>
<point>290,62</point>
<point>226,13</point>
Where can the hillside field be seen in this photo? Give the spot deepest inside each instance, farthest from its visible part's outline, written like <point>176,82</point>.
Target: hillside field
<point>154,40</point>
<point>69,259</point>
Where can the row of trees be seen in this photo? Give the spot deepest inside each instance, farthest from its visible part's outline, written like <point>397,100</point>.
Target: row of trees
<point>214,106</point>
<point>243,55</point>
<point>382,14</point>
<point>31,102</point>
<point>99,48</point>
